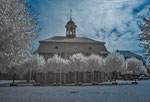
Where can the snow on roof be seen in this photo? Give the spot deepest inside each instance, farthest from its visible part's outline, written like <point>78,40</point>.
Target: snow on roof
<point>67,39</point>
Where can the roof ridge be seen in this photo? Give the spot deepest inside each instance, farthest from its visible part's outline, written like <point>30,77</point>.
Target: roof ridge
<point>66,39</point>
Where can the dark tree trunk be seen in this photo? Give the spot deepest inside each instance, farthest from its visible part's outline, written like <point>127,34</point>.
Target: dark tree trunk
<point>135,80</point>
<point>84,77</point>
<point>14,76</point>
<point>75,77</point>
<point>93,76</point>
<point>134,77</point>
<point>27,77</point>
<point>114,76</point>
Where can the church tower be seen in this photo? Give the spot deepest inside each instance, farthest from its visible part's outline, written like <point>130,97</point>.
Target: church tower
<point>70,28</point>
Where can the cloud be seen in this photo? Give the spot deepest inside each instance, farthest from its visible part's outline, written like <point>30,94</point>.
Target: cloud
<point>112,21</point>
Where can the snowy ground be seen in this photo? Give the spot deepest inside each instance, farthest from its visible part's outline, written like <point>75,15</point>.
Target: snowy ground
<point>10,81</point>
<point>119,93</point>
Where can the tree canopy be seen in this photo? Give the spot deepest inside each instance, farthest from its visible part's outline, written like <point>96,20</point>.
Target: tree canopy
<point>17,30</point>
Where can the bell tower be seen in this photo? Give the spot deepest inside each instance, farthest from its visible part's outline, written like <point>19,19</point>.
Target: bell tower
<point>70,27</point>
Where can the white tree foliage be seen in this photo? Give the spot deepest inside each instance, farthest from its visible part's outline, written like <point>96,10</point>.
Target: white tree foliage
<point>95,63</point>
<point>76,62</point>
<point>115,62</point>
<point>17,29</point>
<point>135,66</point>
<point>145,36</point>
<point>56,64</point>
<point>35,64</point>
<point>81,63</point>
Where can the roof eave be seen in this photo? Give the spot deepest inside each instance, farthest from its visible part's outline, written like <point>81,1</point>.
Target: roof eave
<point>70,42</point>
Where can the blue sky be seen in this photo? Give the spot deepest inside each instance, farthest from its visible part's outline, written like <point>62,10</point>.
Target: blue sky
<point>111,21</point>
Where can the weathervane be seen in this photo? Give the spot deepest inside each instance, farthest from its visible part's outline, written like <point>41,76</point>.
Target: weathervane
<point>70,15</point>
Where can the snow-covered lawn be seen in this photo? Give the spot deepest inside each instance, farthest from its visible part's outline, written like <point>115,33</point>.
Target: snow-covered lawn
<point>118,93</point>
<point>10,81</point>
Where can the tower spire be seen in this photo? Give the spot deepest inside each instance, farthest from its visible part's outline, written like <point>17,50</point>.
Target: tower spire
<point>70,27</point>
<point>70,15</point>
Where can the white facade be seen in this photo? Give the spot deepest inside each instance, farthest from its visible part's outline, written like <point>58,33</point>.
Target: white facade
<point>70,44</point>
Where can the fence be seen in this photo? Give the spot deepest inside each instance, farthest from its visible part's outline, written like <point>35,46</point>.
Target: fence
<point>71,77</point>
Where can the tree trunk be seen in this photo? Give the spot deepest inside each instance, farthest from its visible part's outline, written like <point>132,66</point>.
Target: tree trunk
<point>93,76</point>
<point>60,78</point>
<point>134,77</point>
<point>114,75</point>
<point>64,78</point>
<point>35,77</point>
<point>27,77</point>
<point>126,79</point>
<point>14,76</point>
<point>54,77</point>
<point>45,78</point>
<point>135,80</point>
<point>75,77</point>
<point>100,79</point>
<point>84,77</point>
<point>30,75</point>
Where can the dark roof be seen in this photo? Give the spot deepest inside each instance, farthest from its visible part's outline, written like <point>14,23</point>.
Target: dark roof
<point>70,22</point>
<point>128,53</point>
<point>67,39</point>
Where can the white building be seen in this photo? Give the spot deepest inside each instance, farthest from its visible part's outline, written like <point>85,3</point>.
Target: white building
<point>70,44</point>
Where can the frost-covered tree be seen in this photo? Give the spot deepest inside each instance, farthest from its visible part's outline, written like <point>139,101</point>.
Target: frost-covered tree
<point>56,64</point>
<point>65,68</point>
<point>25,69</point>
<point>85,68</point>
<point>36,64</point>
<point>76,63</point>
<point>135,67</point>
<point>53,65</point>
<point>95,63</point>
<point>30,67</point>
<point>144,71</point>
<point>145,36</point>
<point>115,63</point>
<point>17,29</point>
